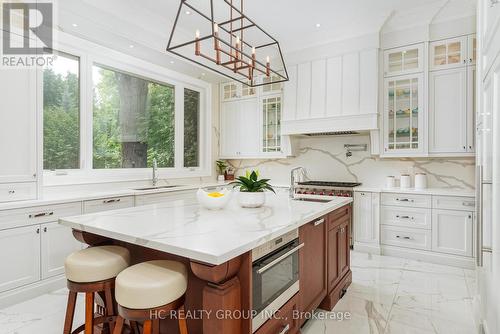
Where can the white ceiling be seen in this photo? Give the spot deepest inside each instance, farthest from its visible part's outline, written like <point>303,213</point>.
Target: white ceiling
<point>146,24</point>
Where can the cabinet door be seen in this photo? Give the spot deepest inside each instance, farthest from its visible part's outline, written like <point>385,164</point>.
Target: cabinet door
<point>452,232</point>
<point>343,256</point>
<point>404,60</point>
<point>318,88</point>
<point>313,284</point>
<point>448,53</point>
<point>230,91</point>
<point>271,124</point>
<point>229,137</point>
<point>404,115</point>
<point>471,109</point>
<point>350,84</point>
<point>448,111</point>
<point>57,243</point>
<point>188,196</point>
<point>471,50</point>
<point>18,125</point>
<point>304,91</point>
<point>19,256</point>
<point>332,258</point>
<point>485,128</point>
<point>290,95</point>
<point>249,128</point>
<point>363,222</point>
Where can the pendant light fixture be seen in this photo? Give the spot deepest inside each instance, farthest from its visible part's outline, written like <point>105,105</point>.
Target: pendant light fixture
<point>216,34</point>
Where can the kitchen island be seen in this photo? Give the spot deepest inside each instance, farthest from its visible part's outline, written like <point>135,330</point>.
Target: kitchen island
<point>217,247</point>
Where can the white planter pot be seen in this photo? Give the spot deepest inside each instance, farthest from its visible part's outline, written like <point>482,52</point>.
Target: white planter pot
<point>251,200</point>
<point>221,178</point>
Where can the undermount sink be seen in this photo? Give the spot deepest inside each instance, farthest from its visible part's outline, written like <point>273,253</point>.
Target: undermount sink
<point>157,187</point>
<point>312,200</point>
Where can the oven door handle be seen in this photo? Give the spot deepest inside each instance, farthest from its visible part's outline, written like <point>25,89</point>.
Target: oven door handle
<point>279,259</point>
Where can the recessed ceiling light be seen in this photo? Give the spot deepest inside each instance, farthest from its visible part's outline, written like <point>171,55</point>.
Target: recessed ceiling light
<point>318,25</point>
<point>131,46</point>
<point>188,12</point>
<point>75,25</point>
<point>203,74</point>
<point>171,62</point>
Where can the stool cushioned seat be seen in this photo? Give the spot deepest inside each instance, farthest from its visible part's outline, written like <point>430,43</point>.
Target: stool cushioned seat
<point>151,284</point>
<point>96,263</point>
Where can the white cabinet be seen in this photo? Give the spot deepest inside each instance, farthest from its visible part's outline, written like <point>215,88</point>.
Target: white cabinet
<point>452,232</point>
<point>448,111</point>
<point>240,129</point>
<point>57,242</point>
<point>404,116</point>
<point>19,256</point>
<point>235,90</point>
<point>18,119</point>
<point>333,94</point>
<point>366,219</point>
<point>448,53</point>
<point>107,204</point>
<point>188,196</point>
<point>404,60</point>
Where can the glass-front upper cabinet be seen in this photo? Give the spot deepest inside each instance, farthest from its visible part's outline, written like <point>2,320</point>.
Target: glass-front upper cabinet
<point>234,90</point>
<point>274,87</point>
<point>271,120</point>
<point>403,115</point>
<point>404,60</point>
<point>448,53</point>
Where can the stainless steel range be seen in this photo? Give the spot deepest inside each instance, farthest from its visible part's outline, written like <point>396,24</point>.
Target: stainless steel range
<point>323,190</point>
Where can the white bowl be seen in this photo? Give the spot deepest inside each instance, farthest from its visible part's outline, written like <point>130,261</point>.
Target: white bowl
<point>213,203</point>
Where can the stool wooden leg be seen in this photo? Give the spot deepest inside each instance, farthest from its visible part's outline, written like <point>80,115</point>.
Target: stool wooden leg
<point>109,307</point>
<point>118,325</point>
<point>156,326</point>
<point>70,312</point>
<point>182,321</point>
<point>147,327</point>
<point>89,313</point>
<point>135,327</point>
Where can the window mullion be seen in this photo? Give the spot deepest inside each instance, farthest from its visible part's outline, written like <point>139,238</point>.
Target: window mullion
<point>179,127</point>
<point>86,112</point>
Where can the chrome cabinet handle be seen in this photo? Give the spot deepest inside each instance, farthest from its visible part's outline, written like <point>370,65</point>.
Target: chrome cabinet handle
<point>285,329</point>
<point>400,237</point>
<point>468,203</point>
<point>12,192</point>
<point>38,231</point>
<point>41,214</point>
<point>45,229</point>
<point>405,200</point>
<point>279,259</point>
<point>114,200</point>
<point>319,222</point>
<point>404,217</point>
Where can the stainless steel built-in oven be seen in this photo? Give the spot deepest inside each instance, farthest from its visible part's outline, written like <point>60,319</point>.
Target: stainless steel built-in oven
<point>275,275</point>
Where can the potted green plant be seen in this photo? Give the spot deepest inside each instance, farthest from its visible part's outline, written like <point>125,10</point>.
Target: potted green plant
<point>252,189</point>
<point>221,168</point>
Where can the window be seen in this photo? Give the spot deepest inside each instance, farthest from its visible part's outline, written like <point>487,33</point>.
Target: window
<point>133,121</point>
<point>191,128</point>
<point>61,113</point>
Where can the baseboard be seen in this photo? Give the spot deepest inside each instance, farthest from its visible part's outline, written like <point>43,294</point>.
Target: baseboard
<point>367,248</point>
<point>18,295</point>
<point>428,256</point>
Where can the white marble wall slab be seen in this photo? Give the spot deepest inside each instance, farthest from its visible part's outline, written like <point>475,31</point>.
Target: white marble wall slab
<point>325,159</point>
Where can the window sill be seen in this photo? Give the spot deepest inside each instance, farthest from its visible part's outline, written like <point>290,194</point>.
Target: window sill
<point>70,177</point>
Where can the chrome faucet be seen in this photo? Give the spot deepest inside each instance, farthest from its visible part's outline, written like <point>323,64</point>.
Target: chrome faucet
<point>155,173</point>
<point>292,179</point>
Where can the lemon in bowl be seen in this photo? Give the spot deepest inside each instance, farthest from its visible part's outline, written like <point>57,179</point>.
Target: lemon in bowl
<point>213,199</point>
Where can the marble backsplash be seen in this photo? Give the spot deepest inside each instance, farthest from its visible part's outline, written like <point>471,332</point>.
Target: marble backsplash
<point>325,159</point>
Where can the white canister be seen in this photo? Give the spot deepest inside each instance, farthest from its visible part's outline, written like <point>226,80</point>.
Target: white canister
<point>420,181</point>
<point>390,182</point>
<point>405,181</point>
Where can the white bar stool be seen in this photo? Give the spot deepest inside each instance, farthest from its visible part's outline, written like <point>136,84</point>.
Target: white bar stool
<point>93,270</point>
<point>149,291</point>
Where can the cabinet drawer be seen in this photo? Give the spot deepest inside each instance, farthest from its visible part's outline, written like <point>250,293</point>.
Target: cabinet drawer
<point>406,217</point>
<point>408,200</point>
<point>405,237</point>
<point>454,203</point>
<point>10,192</point>
<point>38,214</point>
<point>106,204</point>
<point>284,321</point>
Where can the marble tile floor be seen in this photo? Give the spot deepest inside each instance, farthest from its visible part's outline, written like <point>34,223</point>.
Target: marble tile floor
<point>388,296</point>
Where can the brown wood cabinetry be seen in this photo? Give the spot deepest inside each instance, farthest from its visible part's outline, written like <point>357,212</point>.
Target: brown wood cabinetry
<point>285,321</point>
<point>338,255</point>
<point>313,265</point>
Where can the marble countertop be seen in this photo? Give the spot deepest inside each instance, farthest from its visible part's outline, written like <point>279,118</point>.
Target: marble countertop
<point>427,191</point>
<point>86,195</point>
<point>213,237</point>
